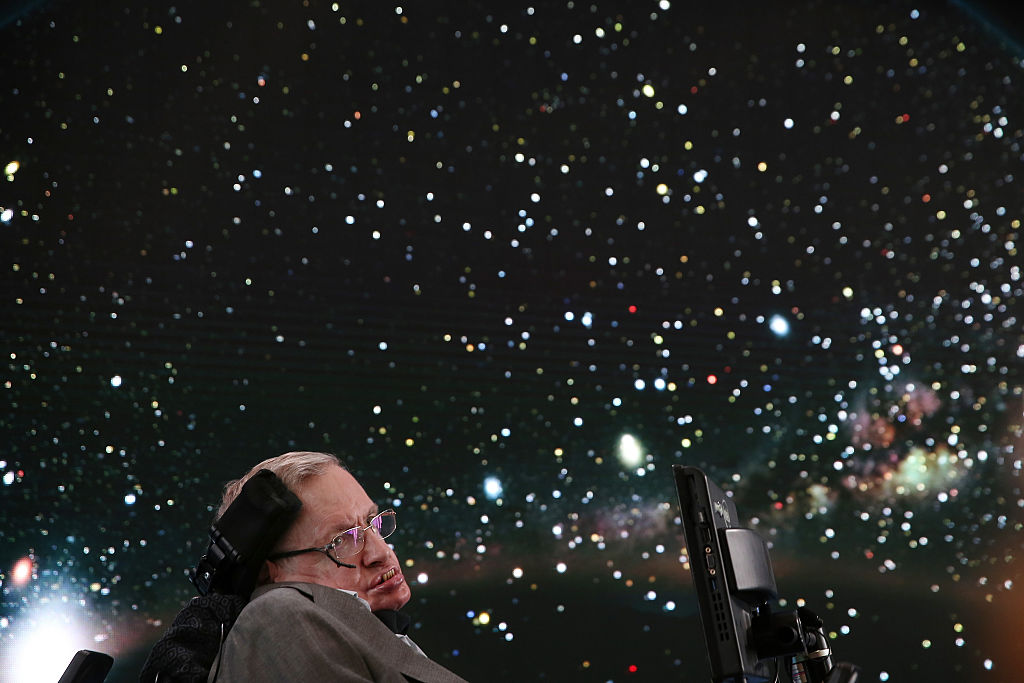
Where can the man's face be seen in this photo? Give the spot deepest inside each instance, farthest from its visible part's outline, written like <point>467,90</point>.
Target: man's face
<point>332,503</point>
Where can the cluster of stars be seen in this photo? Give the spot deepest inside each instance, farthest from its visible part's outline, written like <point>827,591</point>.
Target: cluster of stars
<point>511,264</point>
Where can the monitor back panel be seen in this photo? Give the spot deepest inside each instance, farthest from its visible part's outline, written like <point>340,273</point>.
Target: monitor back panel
<point>706,513</point>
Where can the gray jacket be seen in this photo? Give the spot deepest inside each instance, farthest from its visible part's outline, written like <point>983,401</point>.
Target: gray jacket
<point>307,632</point>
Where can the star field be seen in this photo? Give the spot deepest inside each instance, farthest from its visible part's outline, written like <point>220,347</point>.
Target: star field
<point>510,264</point>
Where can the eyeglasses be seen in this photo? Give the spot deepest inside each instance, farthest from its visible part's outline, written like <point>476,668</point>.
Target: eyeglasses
<point>349,542</point>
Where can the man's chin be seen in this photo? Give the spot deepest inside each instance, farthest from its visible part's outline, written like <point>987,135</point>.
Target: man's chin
<point>394,599</point>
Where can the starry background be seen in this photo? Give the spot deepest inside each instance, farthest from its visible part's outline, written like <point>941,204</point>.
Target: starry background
<point>511,262</point>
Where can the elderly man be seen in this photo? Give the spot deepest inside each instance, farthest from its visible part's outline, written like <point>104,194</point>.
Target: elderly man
<point>327,590</point>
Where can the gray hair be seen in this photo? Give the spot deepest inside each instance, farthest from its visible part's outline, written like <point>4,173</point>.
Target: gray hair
<point>291,468</point>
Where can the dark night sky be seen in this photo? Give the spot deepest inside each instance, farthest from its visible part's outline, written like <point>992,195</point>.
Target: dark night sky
<point>557,248</point>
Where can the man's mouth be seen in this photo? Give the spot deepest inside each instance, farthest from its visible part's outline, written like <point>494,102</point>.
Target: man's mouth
<point>389,574</point>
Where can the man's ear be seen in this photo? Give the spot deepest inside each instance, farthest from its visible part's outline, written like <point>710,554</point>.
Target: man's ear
<point>269,573</point>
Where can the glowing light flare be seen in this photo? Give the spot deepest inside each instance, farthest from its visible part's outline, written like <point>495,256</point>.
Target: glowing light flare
<point>778,325</point>
<point>21,572</point>
<point>11,168</point>
<point>492,487</point>
<point>45,641</point>
<point>630,451</point>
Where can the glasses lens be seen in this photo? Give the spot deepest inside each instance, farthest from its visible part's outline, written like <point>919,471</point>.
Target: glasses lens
<point>385,523</point>
<point>348,542</point>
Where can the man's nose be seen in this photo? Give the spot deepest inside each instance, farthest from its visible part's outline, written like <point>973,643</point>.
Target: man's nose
<point>375,548</point>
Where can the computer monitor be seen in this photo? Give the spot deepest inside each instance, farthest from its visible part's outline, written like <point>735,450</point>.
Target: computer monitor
<point>732,575</point>
<point>747,641</point>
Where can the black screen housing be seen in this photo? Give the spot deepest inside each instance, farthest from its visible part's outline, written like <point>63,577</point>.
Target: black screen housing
<point>732,576</point>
